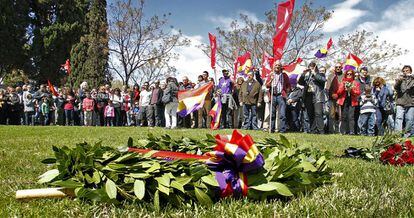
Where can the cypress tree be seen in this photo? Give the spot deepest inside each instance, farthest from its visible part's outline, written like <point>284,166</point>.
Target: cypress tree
<point>56,27</point>
<point>90,56</point>
<point>14,20</point>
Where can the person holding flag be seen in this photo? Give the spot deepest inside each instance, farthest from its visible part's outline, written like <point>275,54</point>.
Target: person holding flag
<point>224,90</point>
<point>279,86</point>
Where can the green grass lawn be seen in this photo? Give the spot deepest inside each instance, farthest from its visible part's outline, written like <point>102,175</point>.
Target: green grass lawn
<point>365,189</point>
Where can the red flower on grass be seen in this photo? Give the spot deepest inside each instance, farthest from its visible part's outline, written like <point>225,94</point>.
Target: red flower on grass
<point>398,155</point>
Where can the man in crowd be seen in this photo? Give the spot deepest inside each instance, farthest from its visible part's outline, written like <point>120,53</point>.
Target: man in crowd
<point>155,108</point>
<point>203,112</point>
<point>404,87</point>
<point>250,96</point>
<point>332,86</point>
<point>225,89</point>
<point>279,86</point>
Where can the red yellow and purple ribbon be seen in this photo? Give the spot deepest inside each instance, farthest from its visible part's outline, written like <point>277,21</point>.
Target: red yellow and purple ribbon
<point>232,159</point>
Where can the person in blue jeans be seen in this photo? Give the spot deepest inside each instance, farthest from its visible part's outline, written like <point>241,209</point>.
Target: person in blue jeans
<point>278,84</point>
<point>404,88</point>
<point>381,92</point>
<point>367,113</point>
<point>250,96</point>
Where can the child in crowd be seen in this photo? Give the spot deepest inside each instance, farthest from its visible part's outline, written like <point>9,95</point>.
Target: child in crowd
<point>45,109</point>
<point>29,109</point>
<point>109,114</point>
<point>366,121</point>
<point>126,107</point>
<point>135,114</point>
<point>88,105</point>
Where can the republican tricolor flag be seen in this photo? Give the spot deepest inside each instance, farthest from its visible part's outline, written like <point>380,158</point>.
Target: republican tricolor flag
<point>192,100</point>
<point>215,114</point>
<point>242,65</point>
<point>352,62</point>
<point>323,52</point>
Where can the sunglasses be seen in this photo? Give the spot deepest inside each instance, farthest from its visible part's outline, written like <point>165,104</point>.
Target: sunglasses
<point>338,67</point>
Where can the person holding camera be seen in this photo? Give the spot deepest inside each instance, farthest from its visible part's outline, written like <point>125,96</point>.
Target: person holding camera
<point>404,88</point>
<point>313,82</point>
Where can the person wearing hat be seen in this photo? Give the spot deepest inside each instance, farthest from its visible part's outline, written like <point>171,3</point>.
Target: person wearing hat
<point>225,87</point>
<point>313,83</point>
<point>250,97</point>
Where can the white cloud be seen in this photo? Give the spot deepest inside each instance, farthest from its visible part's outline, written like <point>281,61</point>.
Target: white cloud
<point>396,26</point>
<point>192,61</point>
<point>344,15</point>
<point>224,22</point>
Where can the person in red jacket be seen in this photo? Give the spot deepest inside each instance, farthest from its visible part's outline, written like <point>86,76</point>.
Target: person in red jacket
<point>348,94</point>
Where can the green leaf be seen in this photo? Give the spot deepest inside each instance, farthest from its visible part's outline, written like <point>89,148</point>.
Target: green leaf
<point>202,197</point>
<point>184,180</point>
<point>67,183</point>
<point>280,188</point>
<point>130,142</point>
<point>154,167</point>
<point>285,141</point>
<point>307,166</point>
<point>164,180</point>
<point>48,176</point>
<point>49,161</point>
<point>157,201</point>
<point>110,188</point>
<point>139,189</point>
<point>210,180</point>
<point>96,177</point>
<point>178,186</point>
<point>163,189</point>
<point>139,175</point>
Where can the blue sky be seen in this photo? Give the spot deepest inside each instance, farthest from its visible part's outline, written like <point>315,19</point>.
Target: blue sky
<point>390,20</point>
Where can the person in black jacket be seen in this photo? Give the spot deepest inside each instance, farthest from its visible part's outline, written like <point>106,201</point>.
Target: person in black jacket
<point>313,82</point>
<point>294,104</point>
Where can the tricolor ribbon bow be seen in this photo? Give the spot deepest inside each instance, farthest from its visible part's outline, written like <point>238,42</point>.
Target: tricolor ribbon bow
<point>232,159</point>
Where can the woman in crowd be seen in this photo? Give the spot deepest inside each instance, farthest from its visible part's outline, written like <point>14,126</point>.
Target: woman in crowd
<point>348,94</point>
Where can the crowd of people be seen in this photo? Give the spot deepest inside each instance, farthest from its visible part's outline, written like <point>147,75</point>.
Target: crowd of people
<point>318,101</point>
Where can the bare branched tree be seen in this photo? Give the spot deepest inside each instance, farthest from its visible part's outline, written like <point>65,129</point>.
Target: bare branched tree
<point>245,34</point>
<point>375,53</point>
<point>136,41</point>
<point>155,70</point>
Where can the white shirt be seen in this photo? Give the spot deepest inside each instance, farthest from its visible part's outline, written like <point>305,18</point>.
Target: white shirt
<point>145,98</point>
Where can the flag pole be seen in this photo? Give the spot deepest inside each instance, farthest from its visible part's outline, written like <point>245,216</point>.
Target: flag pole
<point>271,100</point>
<point>215,75</point>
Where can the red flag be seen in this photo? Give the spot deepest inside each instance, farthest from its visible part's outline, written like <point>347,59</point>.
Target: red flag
<point>66,66</point>
<point>291,67</point>
<point>279,42</point>
<point>284,16</point>
<point>52,88</point>
<point>213,47</point>
<point>267,63</point>
<point>329,45</point>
